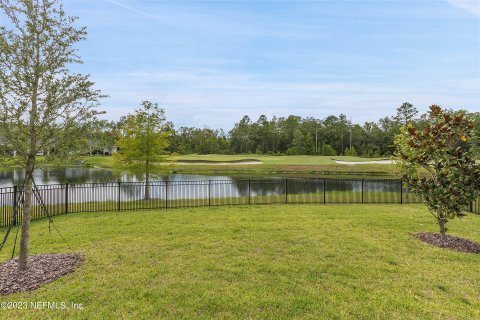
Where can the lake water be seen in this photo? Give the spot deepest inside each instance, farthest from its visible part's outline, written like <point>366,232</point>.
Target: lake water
<point>80,175</point>
<point>102,185</point>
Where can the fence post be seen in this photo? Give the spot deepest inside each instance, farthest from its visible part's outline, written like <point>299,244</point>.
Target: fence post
<point>14,216</point>
<point>286,190</point>
<point>118,195</point>
<point>401,191</point>
<point>362,190</point>
<point>166,194</point>
<point>66,197</point>
<point>209,197</point>
<point>324,191</point>
<point>249,196</point>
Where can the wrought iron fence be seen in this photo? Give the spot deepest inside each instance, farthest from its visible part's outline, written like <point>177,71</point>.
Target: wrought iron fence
<point>68,198</point>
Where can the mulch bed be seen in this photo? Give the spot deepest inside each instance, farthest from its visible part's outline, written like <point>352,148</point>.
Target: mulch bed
<point>42,268</point>
<point>453,243</point>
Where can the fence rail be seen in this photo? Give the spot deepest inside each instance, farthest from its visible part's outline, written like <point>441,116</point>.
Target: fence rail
<point>118,196</point>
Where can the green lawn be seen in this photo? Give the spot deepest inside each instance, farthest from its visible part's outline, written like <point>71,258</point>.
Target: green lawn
<point>266,262</point>
<point>306,166</point>
<point>273,160</point>
<point>318,166</point>
<point>266,159</point>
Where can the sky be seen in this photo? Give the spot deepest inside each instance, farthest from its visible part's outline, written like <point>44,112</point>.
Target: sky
<point>208,63</point>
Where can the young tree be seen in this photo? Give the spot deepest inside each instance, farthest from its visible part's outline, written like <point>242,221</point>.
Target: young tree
<point>453,176</point>
<point>43,106</point>
<point>143,142</point>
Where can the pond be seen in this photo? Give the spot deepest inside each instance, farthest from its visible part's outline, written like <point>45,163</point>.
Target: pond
<point>102,184</point>
<point>80,175</point>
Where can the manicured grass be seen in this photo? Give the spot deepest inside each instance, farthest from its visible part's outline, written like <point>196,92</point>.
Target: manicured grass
<point>272,160</point>
<point>98,161</point>
<point>106,161</point>
<point>328,197</point>
<point>267,262</point>
<point>308,166</point>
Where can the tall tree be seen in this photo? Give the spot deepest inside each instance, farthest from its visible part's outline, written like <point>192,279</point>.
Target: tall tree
<point>240,135</point>
<point>406,113</point>
<point>44,106</point>
<point>263,133</point>
<point>301,143</point>
<point>143,142</point>
<point>452,179</point>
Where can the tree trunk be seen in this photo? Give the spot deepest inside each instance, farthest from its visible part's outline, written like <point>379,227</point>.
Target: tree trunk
<point>27,213</point>
<point>441,223</point>
<point>30,165</point>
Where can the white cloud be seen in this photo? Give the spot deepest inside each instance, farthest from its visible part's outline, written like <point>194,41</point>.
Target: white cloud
<point>218,98</point>
<point>472,6</point>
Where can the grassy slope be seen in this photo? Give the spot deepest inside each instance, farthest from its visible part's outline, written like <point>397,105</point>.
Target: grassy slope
<point>270,262</point>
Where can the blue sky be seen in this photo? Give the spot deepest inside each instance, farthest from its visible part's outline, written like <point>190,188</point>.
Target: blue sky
<point>210,62</point>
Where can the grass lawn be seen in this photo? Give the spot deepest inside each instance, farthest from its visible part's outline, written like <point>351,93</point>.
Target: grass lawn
<point>272,160</point>
<point>267,262</point>
<point>318,166</point>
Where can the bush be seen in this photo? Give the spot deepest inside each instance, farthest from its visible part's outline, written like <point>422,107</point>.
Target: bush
<point>327,150</point>
<point>350,152</point>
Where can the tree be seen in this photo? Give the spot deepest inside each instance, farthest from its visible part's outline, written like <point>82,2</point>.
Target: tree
<point>287,127</point>
<point>373,137</point>
<point>43,105</point>
<point>406,168</point>
<point>263,134</point>
<point>143,142</point>
<point>240,135</point>
<point>474,142</point>
<point>350,152</point>
<point>336,131</point>
<point>406,113</point>
<point>102,137</point>
<point>452,179</point>
<point>327,150</point>
<point>389,129</point>
<point>302,143</point>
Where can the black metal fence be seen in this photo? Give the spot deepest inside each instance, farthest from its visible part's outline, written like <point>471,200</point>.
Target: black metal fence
<point>68,198</point>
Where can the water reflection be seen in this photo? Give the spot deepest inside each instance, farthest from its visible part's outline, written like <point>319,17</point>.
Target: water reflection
<point>77,175</point>
<point>80,175</point>
<point>101,185</point>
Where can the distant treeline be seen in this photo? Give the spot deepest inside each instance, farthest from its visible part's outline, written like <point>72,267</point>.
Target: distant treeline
<point>292,135</point>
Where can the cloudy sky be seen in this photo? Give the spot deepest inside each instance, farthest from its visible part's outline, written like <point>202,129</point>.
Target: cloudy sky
<point>210,62</point>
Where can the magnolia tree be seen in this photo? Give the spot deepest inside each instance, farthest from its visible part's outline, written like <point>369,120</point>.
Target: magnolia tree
<point>452,178</point>
<point>143,142</point>
<point>43,105</point>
